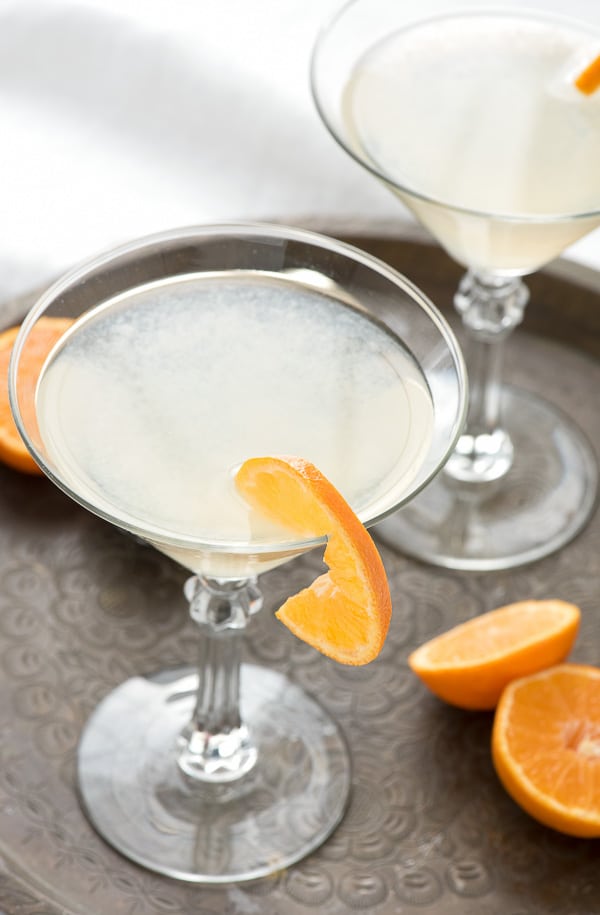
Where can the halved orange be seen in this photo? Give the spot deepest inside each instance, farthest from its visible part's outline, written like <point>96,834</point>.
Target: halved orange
<point>546,747</point>
<point>42,338</point>
<point>345,613</point>
<point>470,664</point>
<point>589,79</point>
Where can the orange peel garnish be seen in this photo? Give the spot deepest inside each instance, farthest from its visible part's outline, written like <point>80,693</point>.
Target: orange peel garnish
<point>345,613</point>
<point>589,79</point>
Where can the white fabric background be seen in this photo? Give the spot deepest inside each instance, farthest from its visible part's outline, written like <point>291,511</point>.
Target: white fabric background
<point>123,117</point>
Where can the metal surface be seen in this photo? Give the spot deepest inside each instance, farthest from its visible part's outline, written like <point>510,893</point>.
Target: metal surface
<point>429,828</point>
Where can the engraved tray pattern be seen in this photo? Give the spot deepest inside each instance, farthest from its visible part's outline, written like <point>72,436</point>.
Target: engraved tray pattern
<point>429,828</point>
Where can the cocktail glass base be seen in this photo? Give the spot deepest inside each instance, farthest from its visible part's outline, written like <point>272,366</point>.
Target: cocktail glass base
<point>545,498</point>
<point>141,802</point>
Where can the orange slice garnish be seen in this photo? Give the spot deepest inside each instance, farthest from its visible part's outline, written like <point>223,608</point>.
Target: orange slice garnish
<point>470,665</point>
<point>345,613</point>
<point>546,747</point>
<point>589,79</point>
<point>42,338</point>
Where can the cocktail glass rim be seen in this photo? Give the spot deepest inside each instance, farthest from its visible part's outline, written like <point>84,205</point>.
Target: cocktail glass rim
<point>157,534</point>
<point>527,12</point>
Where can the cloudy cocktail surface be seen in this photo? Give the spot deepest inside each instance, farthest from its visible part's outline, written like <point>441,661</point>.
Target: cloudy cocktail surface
<point>154,398</point>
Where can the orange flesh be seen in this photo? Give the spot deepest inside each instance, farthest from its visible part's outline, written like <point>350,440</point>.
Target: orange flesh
<point>546,747</point>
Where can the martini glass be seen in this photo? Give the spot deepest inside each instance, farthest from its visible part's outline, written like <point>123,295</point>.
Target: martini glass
<point>191,351</point>
<point>469,114</point>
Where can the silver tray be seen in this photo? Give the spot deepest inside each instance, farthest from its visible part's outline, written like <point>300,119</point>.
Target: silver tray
<point>429,829</point>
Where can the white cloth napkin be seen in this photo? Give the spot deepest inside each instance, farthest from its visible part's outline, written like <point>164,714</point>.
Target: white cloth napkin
<point>124,117</point>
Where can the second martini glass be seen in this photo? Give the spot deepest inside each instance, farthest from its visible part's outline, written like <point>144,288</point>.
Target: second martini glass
<point>469,113</point>
<point>182,355</point>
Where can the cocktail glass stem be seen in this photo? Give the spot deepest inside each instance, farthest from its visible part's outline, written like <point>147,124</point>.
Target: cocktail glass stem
<point>229,774</point>
<point>216,745</point>
<point>491,307</point>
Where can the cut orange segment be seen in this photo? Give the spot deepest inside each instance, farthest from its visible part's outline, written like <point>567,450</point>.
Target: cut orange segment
<point>546,747</point>
<point>589,79</point>
<point>43,336</point>
<point>345,614</point>
<point>469,665</point>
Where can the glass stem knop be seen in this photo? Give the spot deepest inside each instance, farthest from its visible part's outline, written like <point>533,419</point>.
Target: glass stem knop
<point>216,746</point>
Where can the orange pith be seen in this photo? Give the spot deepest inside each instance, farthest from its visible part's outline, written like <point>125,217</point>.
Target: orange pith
<point>345,613</point>
<point>589,79</point>
<point>43,336</point>
<point>546,747</point>
<point>470,665</point>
